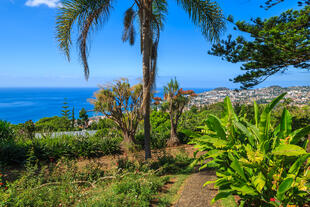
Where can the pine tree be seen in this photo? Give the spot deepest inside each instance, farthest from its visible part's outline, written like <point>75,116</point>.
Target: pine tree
<point>72,118</point>
<point>276,44</point>
<point>65,112</point>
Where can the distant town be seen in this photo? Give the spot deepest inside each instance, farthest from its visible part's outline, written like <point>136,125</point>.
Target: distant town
<point>299,95</point>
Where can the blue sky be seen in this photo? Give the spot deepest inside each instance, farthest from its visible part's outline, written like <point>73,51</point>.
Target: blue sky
<point>30,56</point>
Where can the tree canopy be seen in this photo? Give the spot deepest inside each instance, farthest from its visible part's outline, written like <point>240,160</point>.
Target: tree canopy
<point>271,3</point>
<point>121,103</point>
<point>275,44</point>
<point>89,15</point>
<point>176,99</point>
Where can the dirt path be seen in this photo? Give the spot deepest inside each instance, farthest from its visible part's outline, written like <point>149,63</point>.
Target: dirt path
<point>194,194</point>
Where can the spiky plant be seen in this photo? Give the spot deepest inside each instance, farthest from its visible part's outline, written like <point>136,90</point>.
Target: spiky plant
<point>89,15</point>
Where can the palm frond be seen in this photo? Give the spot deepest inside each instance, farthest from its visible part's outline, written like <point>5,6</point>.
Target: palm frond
<point>160,11</point>
<point>129,32</point>
<point>87,15</point>
<point>207,15</point>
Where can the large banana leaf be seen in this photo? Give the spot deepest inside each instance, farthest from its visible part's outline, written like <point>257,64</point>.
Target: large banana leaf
<point>298,134</point>
<point>231,115</point>
<point>245,190</point>
<point>239,170</point>
<point>215,124</point>
<point>264,124</point>
<point>216,142</point>
<point>247,132</point>
<point>286,124</point>
<point>221,195</point>
<point>256,114</point>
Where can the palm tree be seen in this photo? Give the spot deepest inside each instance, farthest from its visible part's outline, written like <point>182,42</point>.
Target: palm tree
<point>88,15</point>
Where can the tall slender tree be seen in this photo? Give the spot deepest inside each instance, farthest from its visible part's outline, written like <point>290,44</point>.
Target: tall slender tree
<point>176,100</point>
<point>65,112</point>
<point>72,118</point>
<point>88,15</point>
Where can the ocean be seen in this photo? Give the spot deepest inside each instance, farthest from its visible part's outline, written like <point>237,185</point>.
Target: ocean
<point>18,105</point>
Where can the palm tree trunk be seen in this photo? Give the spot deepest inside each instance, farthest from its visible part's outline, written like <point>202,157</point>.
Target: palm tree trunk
<point>146,65</point>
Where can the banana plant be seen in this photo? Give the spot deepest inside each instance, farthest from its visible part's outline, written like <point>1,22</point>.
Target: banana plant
<point>264,165</point>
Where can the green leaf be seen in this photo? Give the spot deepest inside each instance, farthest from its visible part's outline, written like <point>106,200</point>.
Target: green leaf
<point>189,133</point>
<point>286,124</point>
<point>214,153</point>
<point>216,142</point>
<point>237,167</point>
<point>297,164</point>
<point>215,125</point>
<point>259,182</point>
<point>229,109</point>
<point>221,195</point>
<point>248,133</point>
<point>245,190</point>
<point>264,124</point>
<point>209,182</point>
<point>300,134</point>
<point>276,101</point>
<point>220,182</point>
<point>256,114</point>
<point>285,186</point>
<point>289,150</point>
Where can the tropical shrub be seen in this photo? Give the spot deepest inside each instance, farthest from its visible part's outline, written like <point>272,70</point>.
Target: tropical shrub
<point>121,103</point>
<point>263,164</point>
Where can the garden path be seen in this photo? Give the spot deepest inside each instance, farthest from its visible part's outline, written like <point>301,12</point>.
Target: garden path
<point>194,194</point>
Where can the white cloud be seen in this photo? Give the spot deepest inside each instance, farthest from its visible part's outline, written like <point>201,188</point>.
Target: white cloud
<point>49,3</point>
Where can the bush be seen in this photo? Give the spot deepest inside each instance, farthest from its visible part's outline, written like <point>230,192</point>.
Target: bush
<point>6,132</point>
<point>160,132</point>
<point>73,147</point>
<point>158,138</point>
<point>264,165</point>
<point>106,132</point>
<point>52,124</point>
<point>56,147</point>
<point>55,185</point>
<point>129,191</point>
<point>12,153</point>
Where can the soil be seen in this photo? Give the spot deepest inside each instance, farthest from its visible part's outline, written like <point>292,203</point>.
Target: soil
<point>194,194</point>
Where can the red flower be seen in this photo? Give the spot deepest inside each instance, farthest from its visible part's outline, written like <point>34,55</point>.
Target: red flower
<point>272,199</point>
<point>6,188</point>
<point>157,98</point>
<point>1,183</point>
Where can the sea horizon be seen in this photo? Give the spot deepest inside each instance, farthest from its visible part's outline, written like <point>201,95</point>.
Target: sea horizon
<point>18,105</point>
